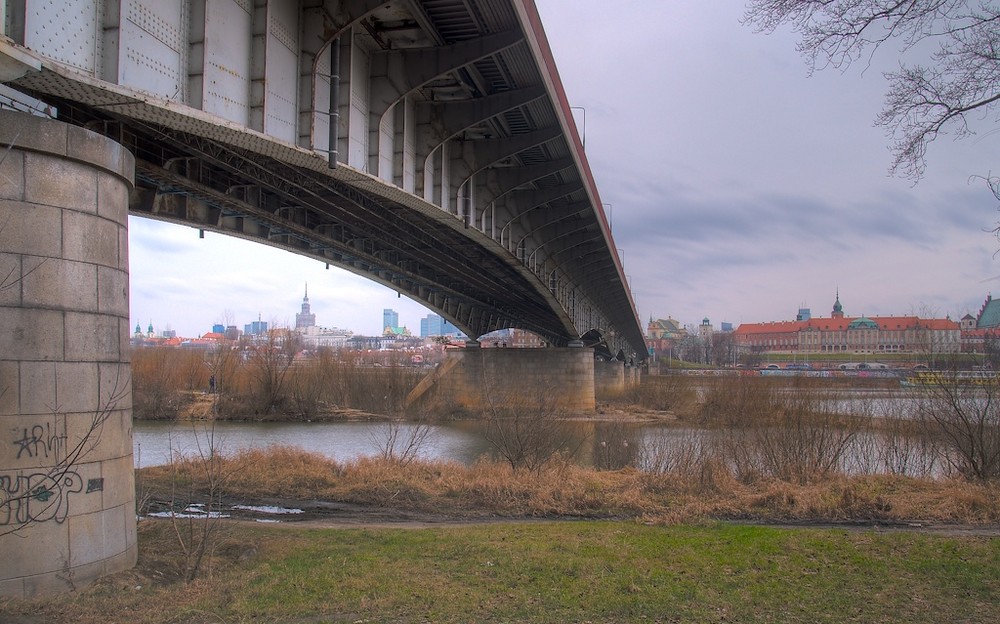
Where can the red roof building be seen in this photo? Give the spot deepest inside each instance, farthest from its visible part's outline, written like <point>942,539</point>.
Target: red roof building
<point>843,334</point>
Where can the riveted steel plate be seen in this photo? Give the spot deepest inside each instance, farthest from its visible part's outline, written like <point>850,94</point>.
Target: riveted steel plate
<point>154,43</point>
<point>65,31</point>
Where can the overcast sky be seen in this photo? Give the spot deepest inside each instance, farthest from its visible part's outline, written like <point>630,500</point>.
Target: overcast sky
<point>742,188</point>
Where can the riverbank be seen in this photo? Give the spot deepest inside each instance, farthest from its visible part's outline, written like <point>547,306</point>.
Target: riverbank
<point>202,406</point>
<point>405,487</point>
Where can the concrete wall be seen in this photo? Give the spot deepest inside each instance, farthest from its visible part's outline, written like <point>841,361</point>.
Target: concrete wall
<point>633,376</point>
<point>551,379</point>
<point>67,495</point>
<point>609,378</point>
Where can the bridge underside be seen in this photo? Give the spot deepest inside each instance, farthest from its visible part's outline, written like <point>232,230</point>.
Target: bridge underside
<point>425,144</point>
<point>282,197</point>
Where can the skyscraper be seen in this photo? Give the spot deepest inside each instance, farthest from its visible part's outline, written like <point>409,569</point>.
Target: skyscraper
<point>435,325</point>
<point>390,319</point>
<point>305,318</point>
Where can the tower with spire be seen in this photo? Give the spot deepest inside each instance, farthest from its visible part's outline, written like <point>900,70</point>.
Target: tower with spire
<point>305,318</point>
<point>838,309</point>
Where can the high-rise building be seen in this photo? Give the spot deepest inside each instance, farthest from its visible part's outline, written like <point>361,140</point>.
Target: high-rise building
<point>305,318</point>
<point>256,328</point>
<point>390,319</point>
<point>435,325</point>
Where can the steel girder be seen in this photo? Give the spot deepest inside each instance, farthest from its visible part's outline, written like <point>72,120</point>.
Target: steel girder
<point>450,102</point>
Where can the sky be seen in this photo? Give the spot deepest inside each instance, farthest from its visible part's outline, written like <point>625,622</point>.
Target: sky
<point>741,188</point>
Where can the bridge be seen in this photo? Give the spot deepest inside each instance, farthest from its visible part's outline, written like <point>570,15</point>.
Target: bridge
<point>425,144</point>
<point>448,167</point>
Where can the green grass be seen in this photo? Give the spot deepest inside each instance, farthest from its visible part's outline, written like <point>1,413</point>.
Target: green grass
<point>559,572</point>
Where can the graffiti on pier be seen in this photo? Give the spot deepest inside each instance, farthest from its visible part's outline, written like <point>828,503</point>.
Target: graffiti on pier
<point>39,497</point>
<point>40,441</point>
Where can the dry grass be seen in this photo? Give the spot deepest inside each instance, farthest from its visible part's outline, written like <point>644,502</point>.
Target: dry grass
<point>705,491</point>
<point>769,454</point>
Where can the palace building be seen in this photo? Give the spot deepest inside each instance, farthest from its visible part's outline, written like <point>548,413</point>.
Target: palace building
<point>842,334</point>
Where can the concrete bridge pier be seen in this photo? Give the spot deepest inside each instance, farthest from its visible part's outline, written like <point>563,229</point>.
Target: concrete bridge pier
<point>67,495</point>
<point>609,377</point>
<point>552,379</point>
<point>614,378</point>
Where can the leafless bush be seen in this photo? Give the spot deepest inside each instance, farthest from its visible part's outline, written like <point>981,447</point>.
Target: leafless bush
<point>156,382</point>
<point>896,443</point>
<point>195,508</point>
<point>380,388</point>
<point>528,432</point>
<point>680,452</point>
<point>401,443</point>
<point>770,431</point>
<point>965,413</point>
<point>666,393</point>
<point>309,383</point>
<point>268,361</point>
<point>616,444</point>
<point>806,440</point>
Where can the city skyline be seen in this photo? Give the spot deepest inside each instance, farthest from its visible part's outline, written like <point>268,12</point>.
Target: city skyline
<point>159,328</point>
<point>415,328</point>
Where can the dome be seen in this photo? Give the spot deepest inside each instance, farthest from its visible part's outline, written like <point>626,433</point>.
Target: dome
<point>862,323</point>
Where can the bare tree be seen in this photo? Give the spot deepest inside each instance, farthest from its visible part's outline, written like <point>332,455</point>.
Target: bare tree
<point>933,96</point>
<point>268,363</point>
<point>965,411</point>
<point>401,443</point>
<point>196,524</point>
<point>310,383</point>
<point>154,374</point>
<point>526,426</point>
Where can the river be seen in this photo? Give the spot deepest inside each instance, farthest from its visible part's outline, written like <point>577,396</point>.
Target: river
<point>154,441</point>
<point>466,441</point>
<point>463,441</point>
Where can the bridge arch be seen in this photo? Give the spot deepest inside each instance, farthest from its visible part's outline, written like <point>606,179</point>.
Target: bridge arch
<point>449,122</point>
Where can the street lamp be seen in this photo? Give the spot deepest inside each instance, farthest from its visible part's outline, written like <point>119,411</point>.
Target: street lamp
<point>584,124</point>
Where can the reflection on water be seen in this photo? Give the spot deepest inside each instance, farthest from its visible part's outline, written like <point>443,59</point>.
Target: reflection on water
<point>341,441</point>
<point>653,446</point>
<point>463,441</point>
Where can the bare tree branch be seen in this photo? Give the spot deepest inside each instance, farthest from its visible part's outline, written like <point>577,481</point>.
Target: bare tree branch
<point>925,99</point>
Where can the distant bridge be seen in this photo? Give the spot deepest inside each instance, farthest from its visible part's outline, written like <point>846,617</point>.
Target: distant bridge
<point>425,144</point>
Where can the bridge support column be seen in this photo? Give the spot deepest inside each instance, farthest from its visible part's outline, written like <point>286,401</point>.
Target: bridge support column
<point>609,379</point>
<point>633,377</point>
<point>67,494</point>
<point>554,379</point>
